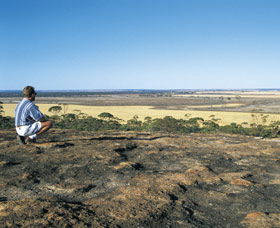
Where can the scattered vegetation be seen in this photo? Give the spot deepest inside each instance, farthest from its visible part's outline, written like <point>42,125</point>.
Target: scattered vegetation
<point>5,121</point>
<point>107,121</point>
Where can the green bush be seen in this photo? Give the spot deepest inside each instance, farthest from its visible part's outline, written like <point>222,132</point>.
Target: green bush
<point>210,126</point>
<point>235,129</point>
<point>106,116</point>
<point>1,108</point>
<point>168,124</point>
<point>5,121</point>
<point>133,124</point>
<point>55,109</point>
<point>73,121</point>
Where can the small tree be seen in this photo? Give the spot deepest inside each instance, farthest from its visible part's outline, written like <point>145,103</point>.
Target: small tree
<point>167,124</point>
<point>55,109</point>
<point>106,116</point>
<point>188,115</point>
<point>65,108</point>
<point>77,111</point>
<point>6,122</point>
<point>196,121</point>
<point>148,119</point>
<point>1,108</point>
<point>69,117</point>
<point>134,122</point>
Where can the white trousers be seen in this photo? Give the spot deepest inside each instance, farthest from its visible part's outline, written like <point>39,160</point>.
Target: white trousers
<point>28,130</point>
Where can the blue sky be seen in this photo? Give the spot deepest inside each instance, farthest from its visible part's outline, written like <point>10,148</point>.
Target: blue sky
<point>139,44</point>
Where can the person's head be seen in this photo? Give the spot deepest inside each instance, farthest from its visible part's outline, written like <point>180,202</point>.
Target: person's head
<point>29,92</point>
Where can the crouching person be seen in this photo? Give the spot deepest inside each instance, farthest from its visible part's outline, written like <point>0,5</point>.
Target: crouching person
<point>29,121</point>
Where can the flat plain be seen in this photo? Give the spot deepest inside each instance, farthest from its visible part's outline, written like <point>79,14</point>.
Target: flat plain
<point>227,106</point>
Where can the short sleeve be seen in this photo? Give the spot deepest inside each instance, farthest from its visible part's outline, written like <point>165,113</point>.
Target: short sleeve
<point>35,113</point>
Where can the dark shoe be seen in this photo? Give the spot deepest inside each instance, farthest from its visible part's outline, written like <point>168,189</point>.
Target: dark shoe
<point>30,141</point>
<point>21,140</point>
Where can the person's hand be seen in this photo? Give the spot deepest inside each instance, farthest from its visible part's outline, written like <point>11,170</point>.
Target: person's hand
<point>43,119</point>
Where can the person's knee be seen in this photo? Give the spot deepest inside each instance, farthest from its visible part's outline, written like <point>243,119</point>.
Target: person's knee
<point>50,124</point>
<point>46,124</point>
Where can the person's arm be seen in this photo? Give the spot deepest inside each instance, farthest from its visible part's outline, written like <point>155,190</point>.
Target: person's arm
<point>36,114</point>
<point>43,119</point>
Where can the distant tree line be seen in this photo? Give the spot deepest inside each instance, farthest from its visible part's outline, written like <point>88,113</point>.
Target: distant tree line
<point>83,93</point>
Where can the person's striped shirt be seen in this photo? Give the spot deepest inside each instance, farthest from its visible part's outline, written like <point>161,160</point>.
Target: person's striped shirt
<point>27,113</point>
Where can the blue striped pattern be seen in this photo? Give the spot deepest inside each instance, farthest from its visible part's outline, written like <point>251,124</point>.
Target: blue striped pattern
<point>27,113</point>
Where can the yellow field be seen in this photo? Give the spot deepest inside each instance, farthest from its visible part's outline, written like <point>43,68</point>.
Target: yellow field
<point>127,112</point>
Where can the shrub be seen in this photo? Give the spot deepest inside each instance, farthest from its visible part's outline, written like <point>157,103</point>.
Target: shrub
<point>88,123</point>
<point>106,116</point>
<point>210,126</point>
<point>235,129</point>
<point>5,121</point>
<point>1,108</point>
<point>55,109</point>
<point>134,123</point>
<point>168,124</point>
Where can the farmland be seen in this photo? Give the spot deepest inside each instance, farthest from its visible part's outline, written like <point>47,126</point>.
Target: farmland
<point>226,106</point>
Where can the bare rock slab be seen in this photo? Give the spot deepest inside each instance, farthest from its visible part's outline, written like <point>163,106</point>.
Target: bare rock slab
<point>139,179</point>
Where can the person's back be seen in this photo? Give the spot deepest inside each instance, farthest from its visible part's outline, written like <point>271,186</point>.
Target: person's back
<point>26,113</point>
<point>29,121</point>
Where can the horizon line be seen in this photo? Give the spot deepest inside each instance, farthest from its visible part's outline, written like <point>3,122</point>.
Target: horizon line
<point>101,90</point>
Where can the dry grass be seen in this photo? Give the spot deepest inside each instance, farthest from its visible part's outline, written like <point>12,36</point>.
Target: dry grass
<point>127,112</point>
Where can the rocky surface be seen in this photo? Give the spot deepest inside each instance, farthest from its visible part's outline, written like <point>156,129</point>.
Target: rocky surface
<point>134,179</point>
